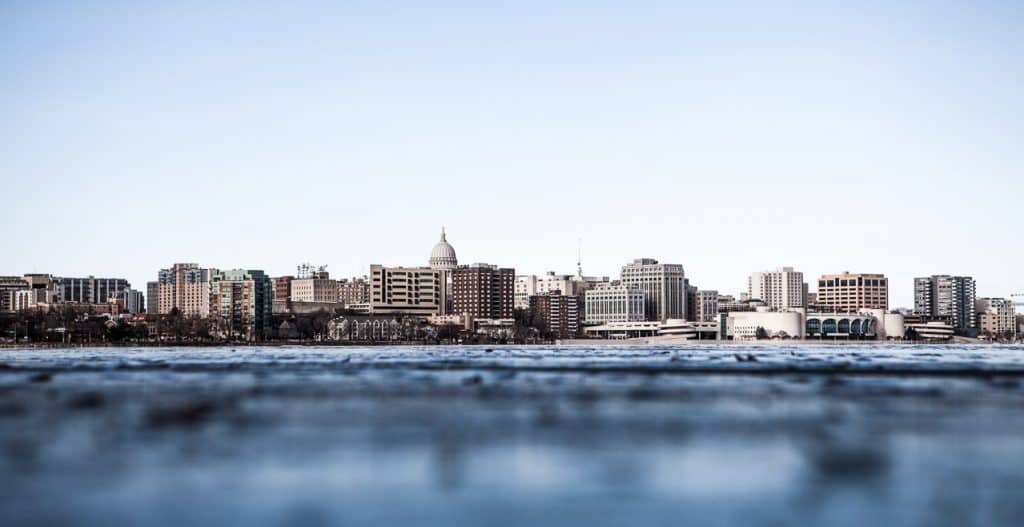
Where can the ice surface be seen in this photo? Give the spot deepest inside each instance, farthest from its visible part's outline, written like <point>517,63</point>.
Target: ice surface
<point>601,435</point>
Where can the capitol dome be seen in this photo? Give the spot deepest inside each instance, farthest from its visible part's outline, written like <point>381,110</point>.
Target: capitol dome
<point>443,255</point>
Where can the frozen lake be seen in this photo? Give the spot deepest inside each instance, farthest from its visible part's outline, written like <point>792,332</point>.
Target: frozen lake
<point>595,435</point>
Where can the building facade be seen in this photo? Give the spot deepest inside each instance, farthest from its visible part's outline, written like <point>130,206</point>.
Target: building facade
<point>559,314</point>
<point>184,286</point>
<point>996,317</point>
<point>529,285</point>
<point>614,303</point>
<point>420,291</point>
<point>782,288</point>
<point>354,291</point>
<point>8,286</point>
<point>852,292</point>
<point>947,296</point>
<point>664,287</point>
<point>706,307</point>
<point>319,287</point>
<point>134,301</point>
<point>91,290</point>
<point>483,291</point>
<point>240,304</point>
<point>281,294</point>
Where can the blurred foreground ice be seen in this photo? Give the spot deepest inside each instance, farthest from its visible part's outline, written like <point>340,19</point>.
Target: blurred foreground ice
<point>603,435</point>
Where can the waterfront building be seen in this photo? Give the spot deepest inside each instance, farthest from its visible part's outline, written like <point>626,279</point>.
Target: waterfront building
<point>729,303</point>
<point>624,330</point>
<point>750,325</point>
<point>706,305</point>
<point>689,329</point>
<point>152,297</point>
<point>996,317</point>
<point>91,290</point>
<point>184,286</point>
<point>691,303</point>
<point>281,294</point>
<point>133,301</point>
<point>316,287</point>
<point>947,296</point>
<point>483,291</point>
<point>782,288</point>
<point>529,285</point>
<point>24,299</point>
<point>850,292</point>
<point>663,285</point>
<point>929,328</point>
<point>420,291</point>
<point>44,287</point>
<point>559,314</point>
<point>8,286</point>
<point>613,303</point>
<point>240,303</point>
<point>354,291</point>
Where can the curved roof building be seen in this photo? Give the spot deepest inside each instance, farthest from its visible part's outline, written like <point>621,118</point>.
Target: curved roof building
<point>443,255</point>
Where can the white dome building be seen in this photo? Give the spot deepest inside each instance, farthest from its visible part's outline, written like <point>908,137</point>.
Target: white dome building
<point>443,255</point>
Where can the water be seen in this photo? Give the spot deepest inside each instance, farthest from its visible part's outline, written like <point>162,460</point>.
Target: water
<point>597,435</point>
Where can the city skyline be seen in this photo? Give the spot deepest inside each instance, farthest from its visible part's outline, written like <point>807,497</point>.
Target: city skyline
<point>874,139</point>
<point>809,278</point>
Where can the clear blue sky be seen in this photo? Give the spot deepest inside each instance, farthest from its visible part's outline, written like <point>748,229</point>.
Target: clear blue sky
<point>726,136</point>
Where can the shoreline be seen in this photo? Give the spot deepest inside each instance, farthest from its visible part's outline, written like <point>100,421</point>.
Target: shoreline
<point>650,341</point>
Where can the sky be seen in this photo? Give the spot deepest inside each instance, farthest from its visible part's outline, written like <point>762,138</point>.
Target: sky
<point>729,137</point>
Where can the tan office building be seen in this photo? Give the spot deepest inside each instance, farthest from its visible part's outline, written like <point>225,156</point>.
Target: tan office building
<point>418,291</point>
<point>852,292</point>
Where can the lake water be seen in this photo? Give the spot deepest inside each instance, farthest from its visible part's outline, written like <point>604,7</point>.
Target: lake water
<point>595,435</point>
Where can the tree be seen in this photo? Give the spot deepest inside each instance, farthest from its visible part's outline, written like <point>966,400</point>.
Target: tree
<point>760,333</point>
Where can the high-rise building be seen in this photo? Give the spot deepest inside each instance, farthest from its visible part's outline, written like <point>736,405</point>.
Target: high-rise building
<point>483,291</point>
<point>420,291</point>
<point>91,290</point>
<point>152,298</point>
<point>782,288</point>
<point>996,317</point>
<point>184,286</point>
<point>240,303</point>
<point>691,303</point>
<point>947,296</point>
<point>853,292</point>
<point>664,287</point>
<point>560,314</point>
<point>614,303</point>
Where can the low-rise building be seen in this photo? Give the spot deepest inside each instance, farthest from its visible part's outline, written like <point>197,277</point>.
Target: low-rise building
<point>996,317</point>
<point>318,287</point>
